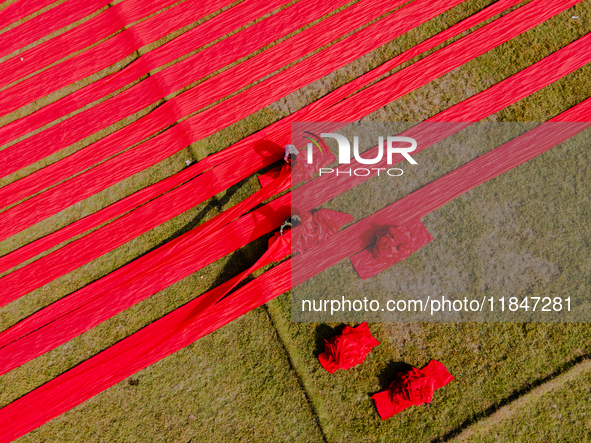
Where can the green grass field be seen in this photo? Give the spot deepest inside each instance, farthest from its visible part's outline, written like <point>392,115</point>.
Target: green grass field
<point>258,379</point>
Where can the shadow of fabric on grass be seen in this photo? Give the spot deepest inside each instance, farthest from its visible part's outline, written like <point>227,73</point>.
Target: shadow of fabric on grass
<point>390,371</point>
<point>324,333</point>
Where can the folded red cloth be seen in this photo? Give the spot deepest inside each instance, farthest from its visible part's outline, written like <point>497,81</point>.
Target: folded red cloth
<point>413,387</point>
<point>348,349</point>
<point>393,244</point>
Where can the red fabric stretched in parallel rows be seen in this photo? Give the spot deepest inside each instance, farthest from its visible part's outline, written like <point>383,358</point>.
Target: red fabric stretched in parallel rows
<point>125,43</point>
<point>38,57</point>
<point>206,32</point>
<point>128,285</point>
<point>21,9</point>
<point>477,107</point>
<point>128,203</point>
<point>185,43</point>
<point>490,101</point>
<point>206,122</point>
<point>176,77</point>
<point>40,26</point>
<point>28,346</point>
<point>96,302</point>
<point>146,346</point>
<point>239,106</point>
<point>441,191</point>
<point>111,236</point>
<point>136,352</point>
<point>69,319</point>
<point>33,397</point>
<point>170,80</point>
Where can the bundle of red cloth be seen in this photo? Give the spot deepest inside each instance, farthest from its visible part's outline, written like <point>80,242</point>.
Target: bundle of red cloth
<point>413,387</point>
<point>348,349</point>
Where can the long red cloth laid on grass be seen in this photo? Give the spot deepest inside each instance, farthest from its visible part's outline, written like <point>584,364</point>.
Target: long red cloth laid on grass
<point>20,10</point>
<point>146,194</point>
<point>173,259</point>
<point>411,388</point>
<point>115,234</point>
<point>211,120</point>
<point>185,43</point>
<point>99,301</point>
<point>40,340</point>
<point>136,352</point>
<point>183,74</point>
<point>333,220</point>
<point>146,346</point>
<point>348,349</point>
<point>161,338</point>
<point>95,59</point>
<point>180,75</point>
<point>361,235</point>
<point>40,26</point>
<point>89,32</point>
<point>459,116</point>
<point>206,32</point>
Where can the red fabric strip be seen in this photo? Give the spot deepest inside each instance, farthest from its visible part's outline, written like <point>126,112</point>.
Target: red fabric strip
<point>128,285</point>
<point>40,26</point>
<point>458,53</point>
<point>146,194</point>
<point>475,108</point>
<point>118,47</point>
<point>169,51</point>
<point>206,32</point>
<point>176,77</point>
<point>398,60</point>
<point>104,24</point>
<point>29,345</point>
<point>21,9</point>
<point>136,352</point>
<point>441,191</point>
<point>95,303</point>
<point>111,236</point>
<point>240,106</point>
